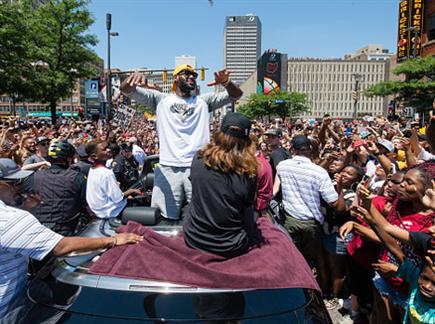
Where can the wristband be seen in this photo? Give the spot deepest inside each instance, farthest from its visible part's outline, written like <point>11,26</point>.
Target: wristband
<point>225,84</point>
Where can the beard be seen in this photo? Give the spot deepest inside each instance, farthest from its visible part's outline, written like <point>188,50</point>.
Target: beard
<point>184,86</point>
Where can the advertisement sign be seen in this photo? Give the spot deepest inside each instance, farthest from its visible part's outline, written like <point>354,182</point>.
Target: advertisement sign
<point>91,89</point>
<point>403,37</point>
<point>416,30</point>
<point>269,73</point>
<point>411,14</point>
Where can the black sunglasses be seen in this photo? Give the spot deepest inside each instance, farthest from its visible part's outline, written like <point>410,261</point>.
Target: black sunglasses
<point>188,73</point>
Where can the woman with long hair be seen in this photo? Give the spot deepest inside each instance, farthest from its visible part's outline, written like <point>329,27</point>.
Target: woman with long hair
<point>220,217</point>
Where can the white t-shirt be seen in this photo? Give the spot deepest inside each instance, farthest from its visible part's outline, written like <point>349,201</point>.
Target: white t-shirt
<point>21,237</point>
<point>182,123</point>
<point>103,194</point>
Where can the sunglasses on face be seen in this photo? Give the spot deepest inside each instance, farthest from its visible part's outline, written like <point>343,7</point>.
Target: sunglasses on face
<point>188,74</point>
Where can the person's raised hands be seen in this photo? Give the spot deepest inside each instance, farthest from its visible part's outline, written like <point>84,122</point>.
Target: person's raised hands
<point>428,199</point>
<point>372,148</point>
<point>345,229</point>
<point>134,80</point>
<point>220,77</point>
<point>361,213</point>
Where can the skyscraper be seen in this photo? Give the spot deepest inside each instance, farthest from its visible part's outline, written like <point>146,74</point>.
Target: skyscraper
<point>185,59</point>
<point>242,46</point>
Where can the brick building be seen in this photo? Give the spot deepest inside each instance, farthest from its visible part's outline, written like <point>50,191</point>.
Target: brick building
<point>429,29</point>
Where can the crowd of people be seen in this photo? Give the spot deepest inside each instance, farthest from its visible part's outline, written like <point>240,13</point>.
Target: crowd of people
<point>356,197</point>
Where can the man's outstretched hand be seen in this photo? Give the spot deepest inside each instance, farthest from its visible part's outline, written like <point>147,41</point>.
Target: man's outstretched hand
<point>221,77</point>
<point>134,80</point>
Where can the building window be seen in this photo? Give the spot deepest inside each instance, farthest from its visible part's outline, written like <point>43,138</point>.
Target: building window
<point>431,28</point>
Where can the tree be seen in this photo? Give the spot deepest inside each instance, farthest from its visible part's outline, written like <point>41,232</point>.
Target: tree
<point>64,55</point>
<point>144,110</point>
<point>16,50</point>
<point>418,88</point>
<point>258,105</point>
<point>288,104</point>
<point>282,104</point>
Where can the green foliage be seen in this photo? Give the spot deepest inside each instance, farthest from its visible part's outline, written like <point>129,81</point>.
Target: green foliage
<point>290,104</point>
<point>418,89</point>
<point>55,49</point>
<point>16,50</point>
<point>141,108</point>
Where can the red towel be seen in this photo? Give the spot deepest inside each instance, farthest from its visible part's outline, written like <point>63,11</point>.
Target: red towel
<point>275,263</point>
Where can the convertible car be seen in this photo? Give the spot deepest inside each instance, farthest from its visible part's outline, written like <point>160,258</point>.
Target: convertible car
<point>70,290</point>
<point>70,293</point>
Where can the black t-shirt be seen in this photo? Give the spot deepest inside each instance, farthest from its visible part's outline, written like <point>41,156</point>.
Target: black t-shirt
<point>220,216</point>
<point>125,170</point>
<point>276,156</point>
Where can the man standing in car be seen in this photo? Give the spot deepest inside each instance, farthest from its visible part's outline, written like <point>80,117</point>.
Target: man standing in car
<point>182,128</point>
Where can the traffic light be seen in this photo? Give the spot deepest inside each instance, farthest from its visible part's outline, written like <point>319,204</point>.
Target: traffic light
<point>202,74</point>
<point>165,75</point>
<point>355,95</point>
<point>121,98</point>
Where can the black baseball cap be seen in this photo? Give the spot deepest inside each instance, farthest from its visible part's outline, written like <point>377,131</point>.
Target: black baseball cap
<point>81,151</point>
<point>301,142</point>
<point>236,124</point>
<point>9,170</point>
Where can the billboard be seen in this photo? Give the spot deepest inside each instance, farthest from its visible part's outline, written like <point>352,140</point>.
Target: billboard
<point>411,14</point>
<point>416,24</point>
<point>269,73</point>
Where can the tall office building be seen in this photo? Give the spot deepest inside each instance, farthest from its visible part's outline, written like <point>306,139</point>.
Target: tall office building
<point>185,59</point>
<point>242,46</point>
<point>329,84</point>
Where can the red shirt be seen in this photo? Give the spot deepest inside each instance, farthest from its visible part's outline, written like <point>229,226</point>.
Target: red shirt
<point>401,215</point>
<point>362,251</point>
<point>264,183</point>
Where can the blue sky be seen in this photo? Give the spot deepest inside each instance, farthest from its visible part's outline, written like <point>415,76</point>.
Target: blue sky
<point>153,32</point>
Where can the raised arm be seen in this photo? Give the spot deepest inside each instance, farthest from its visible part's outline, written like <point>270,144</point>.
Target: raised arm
<point>223,77</point>
<point>389,241</point>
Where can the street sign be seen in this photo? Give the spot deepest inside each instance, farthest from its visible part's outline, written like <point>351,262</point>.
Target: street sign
<point>279,101</point>
<point>91,89</point>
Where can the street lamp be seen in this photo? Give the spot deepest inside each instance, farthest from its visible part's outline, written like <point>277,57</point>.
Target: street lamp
<point>109,72</point>
<point>355,95</point>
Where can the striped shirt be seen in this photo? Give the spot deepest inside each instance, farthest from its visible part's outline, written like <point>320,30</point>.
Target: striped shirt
<point>302,185</point>
<point>21,237</point>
